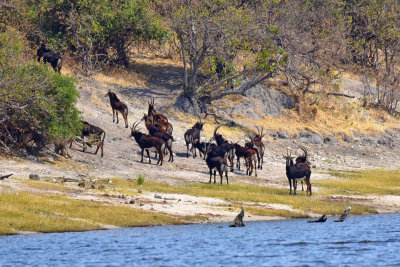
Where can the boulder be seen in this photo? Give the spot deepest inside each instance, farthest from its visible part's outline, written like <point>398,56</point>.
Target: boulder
<point>34,176</point>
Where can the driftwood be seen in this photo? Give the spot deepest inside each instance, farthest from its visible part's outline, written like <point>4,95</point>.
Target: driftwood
<point>238,222</point>
<point>321,219</point>
<point>344,215</point>
<point>5,176</point>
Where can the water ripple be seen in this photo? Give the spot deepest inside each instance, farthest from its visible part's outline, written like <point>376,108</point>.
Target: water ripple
<point>359,241</point>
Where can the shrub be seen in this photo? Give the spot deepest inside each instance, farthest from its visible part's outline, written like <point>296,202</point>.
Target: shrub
<point>37,105</point>
<point>140,180</point>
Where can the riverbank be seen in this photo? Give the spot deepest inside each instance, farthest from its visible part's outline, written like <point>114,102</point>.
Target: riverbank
<point>62,205</point>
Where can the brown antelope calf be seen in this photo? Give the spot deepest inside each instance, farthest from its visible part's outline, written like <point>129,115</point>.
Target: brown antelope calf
<point>147,142</point>
<point>250,157</point>
<point>95,135</point>
<point>118,106</point>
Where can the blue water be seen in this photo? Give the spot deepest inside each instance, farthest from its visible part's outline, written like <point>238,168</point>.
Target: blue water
<point>358,241</point>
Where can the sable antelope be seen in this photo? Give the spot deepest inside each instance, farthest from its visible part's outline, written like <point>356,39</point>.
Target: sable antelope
<point>148,142</point>
<point>54,59</point>
<point>302,160</point>
<point>193,135</point>
<point>201,146</point>
<point>95,135</point>
<point>240,152</point>
<point>118,106</point>
<point>250,157</point>
<point>161,124</point>
<point>157,132</point>
<point>152,112</point>
<point>257,144</point>
<point>222,142</point>
<point>297,172</point>
<point>218,164</point>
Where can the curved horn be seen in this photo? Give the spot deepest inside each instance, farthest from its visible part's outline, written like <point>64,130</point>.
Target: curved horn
<point>216,129</point>
<point>251,138</point>
<point>304,150</point>
<point>133,126</point>
<point>258,130</point>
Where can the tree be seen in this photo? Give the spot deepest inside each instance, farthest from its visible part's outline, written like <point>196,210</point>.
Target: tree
<point>374,39</point>
<point>226,46</point>
<point>95,31</point>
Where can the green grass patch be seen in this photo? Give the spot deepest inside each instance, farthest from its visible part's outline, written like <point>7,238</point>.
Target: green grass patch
<point>249,193</point>
<point>372,182</point>
<point>50,213</point>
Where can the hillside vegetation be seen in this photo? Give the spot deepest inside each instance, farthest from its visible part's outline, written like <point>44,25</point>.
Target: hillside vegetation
<point>224,48</point>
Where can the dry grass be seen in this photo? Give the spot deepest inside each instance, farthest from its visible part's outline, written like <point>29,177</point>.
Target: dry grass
<point>122,77</point>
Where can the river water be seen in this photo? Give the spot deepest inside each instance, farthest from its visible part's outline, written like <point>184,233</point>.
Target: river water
<point>358,241</point>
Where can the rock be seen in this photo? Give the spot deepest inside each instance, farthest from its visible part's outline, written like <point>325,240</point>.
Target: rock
<point>32,158</point>
<point>259,102</point>
<point>329,140</point>
<point>346,138</point>
<point>280,135</point>
<point>158,196</point>
<point>272,101</point>
<point>310,138</point>
<point>50,159</point>
<point>34,176</point>
<point>185,104</point>
<point>132,201</point>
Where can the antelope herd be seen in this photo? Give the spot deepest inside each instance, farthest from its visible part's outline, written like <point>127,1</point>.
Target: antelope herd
<point>219,155</point>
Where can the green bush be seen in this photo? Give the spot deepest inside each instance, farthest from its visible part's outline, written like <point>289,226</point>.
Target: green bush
<point>37,105</point>
<point>140,180</point>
